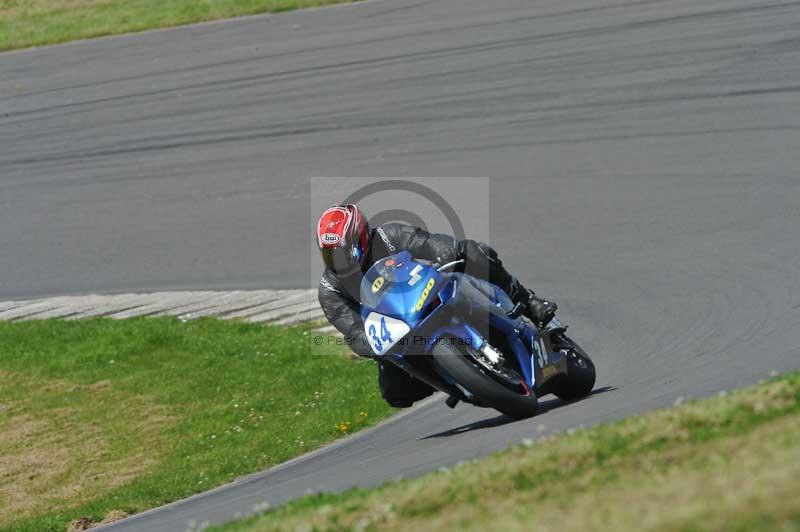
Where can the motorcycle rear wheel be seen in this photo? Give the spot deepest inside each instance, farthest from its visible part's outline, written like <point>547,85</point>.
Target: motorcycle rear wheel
<point>475,378</point>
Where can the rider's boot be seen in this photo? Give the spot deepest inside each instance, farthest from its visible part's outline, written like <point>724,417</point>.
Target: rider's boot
<point>538,310</point>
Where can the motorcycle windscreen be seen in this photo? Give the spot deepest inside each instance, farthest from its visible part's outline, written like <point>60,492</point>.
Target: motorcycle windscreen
<point>399,287</point>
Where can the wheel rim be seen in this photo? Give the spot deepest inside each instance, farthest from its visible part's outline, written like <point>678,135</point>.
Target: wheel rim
<point>505,376</point>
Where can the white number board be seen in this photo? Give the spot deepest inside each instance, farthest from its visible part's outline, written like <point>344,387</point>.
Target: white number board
<point>384,332</point>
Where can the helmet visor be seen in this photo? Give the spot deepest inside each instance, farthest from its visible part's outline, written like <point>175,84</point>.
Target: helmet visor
<point>340,260</point>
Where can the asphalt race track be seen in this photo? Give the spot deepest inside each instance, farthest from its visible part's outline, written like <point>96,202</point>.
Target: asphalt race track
<point>644,158</point>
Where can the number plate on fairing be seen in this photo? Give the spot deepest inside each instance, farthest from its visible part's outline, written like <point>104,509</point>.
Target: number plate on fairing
<point>384,332</point>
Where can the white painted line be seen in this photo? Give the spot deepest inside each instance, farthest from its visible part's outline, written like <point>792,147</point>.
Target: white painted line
<point>110,304</point>
<point>309,315</point>
<point>298,296</point>
<point>164,303</point>
<point>279,306</point>
<point>8,305</point>
<point>275,312</point>
<point>27,310</point>
<point>243,301</point>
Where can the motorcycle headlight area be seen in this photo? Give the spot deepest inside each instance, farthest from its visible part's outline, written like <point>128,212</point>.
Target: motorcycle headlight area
<point>384,332</point>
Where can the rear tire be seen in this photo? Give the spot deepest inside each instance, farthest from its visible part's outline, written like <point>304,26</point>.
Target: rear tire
<point>483,386</point>
<point>580,377</point>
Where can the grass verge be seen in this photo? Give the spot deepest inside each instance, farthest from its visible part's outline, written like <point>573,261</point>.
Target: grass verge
<point>728,463</point>
<point>25,23</point>
<point>101,418</point>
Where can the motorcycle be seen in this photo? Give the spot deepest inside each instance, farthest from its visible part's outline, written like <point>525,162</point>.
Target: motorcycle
<point>465,337</point>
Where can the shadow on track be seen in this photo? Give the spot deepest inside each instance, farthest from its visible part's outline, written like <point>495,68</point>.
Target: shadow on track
<point>502,419</point>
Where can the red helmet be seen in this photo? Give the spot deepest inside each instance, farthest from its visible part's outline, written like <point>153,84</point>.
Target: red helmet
<point>343,238</point>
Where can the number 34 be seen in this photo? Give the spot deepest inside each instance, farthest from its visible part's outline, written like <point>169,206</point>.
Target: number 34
<point>385,335</point>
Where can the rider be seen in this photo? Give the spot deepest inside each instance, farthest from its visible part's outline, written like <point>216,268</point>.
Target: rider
<point>349,247</point>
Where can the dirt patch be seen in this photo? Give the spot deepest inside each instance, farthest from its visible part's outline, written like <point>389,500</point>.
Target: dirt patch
<point>101,385</point>
<point>85,523</point>
<point>78,525</point>
<point>53,455</point>
<point>114,515</point>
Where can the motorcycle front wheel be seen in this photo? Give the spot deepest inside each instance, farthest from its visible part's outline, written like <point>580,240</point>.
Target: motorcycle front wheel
<point>580,377</point>
<point>468,373</point>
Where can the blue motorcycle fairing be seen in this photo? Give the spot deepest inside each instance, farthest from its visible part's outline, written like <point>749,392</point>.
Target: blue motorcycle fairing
<point>435,305</point>
<point>482,303</point>
<point>400,287</point>
<point>457,329</point>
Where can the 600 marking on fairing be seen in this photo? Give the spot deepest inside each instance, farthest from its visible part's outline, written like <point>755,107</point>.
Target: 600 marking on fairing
<point>425,294</point>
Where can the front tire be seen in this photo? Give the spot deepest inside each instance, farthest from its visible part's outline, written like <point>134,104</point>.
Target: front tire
<point>483,386</point>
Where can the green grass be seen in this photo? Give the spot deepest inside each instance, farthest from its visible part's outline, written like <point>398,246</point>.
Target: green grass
<point>26,23</point>
<point>729,463</point>
<point>102,417</point>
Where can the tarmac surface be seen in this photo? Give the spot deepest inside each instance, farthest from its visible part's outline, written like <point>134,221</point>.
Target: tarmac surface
<point>643,158</point>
